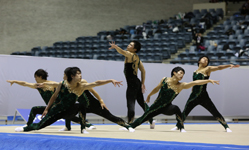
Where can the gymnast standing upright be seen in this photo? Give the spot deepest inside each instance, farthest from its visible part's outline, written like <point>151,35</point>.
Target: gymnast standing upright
<point>135,87</point>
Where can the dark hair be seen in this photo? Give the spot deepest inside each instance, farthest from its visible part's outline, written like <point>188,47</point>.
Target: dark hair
<point>41,73</point>
<point>176,69</point>
<point>72,71</point>
<point>201,58</point>
<point>137,46</point>
<point>66,70</point>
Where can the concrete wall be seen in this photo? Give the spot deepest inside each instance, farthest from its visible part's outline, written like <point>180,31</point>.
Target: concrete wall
<point>25,24</point>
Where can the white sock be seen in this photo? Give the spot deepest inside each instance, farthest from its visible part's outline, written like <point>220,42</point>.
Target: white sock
<point>64,129</point>
<point>152,126</point>
<point>182,130</point>
<point>131,129</point>
<point>91,127</point>
<point>19,129</point>
<point>228,130</point>
<point>123,129</point>
<point>84,131</point>
<point>175,128</point>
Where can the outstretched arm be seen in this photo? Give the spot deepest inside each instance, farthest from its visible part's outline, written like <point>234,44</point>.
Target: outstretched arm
<point>221,67</point>
<point>141,68</point>
<point>120,50</point>
<point>23,83</point>
<point>198,82</point>
<point>154,91</point>
<point>88,86</point>
<point>51,83</point>
<point>52,99</point>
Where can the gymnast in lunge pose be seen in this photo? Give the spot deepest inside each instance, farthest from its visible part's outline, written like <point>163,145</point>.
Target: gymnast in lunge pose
<point>93,105</point>
<point>135,88</point>
<point>199,95</point>
<point>66,94</point>
<point>46,93</point>
<point>168,89</point>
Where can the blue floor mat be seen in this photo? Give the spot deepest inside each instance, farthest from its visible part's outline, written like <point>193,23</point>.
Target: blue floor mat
<point>20,141</point>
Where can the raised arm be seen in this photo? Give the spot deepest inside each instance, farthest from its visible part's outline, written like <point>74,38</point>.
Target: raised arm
<point>221,67</point>
<point>120,50</point>
<point>141,68</point>
<point>52,99</point>
<point>23,83</point>
<point>154,91</point>
<point>198,82</point>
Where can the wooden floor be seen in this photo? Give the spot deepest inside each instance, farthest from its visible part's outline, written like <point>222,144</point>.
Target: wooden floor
<point>196,133</point>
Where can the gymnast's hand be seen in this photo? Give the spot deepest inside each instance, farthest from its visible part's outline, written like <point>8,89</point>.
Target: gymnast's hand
<point>113,45</point>
<point>143,88</point>
<point>118,83</point>
<point>234,66</point>
<point>44,113</point>
<point>11,82</point>
<point>103,106</point>
<point>215,82</point>
<point>148,99</point>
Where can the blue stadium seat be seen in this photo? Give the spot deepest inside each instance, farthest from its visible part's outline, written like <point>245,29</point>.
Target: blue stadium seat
<point>211,53</point>
<point>105,33</point>
<point>240,36</point>
<point>201,53</point>
<point>219,48</point>
<point>192,48</point>
<point>136,37</point>
<point>232,37</point>
<point>213,58</point>
<point>196,11</point>
<point>210,48</point>
<point>234,60</point>
<point>185,60</point>
<point>238,32</point>
<point>35,50</point>
<point>204,11</point>
<point>212,10</point>
<point>157,58</point>
<point>220,53</point>
<point>223,58</point>
<point>183,54</point>
<point>235,27</point>
<point>229,54</point>
<point>192,54</point>
<point>242,42</point>
<point>166,55</point>
<point>227,22</point>
<point>194,59</point>
<point>177,60</point>
<point>103,38</point>
<point>215,63</point>
<point>244,63</point>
